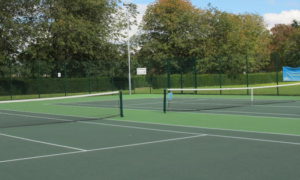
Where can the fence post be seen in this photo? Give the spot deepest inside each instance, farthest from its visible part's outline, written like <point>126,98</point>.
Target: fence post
<point>220,75</point>
<point>168,74</point>
<point>38,79</point>
<point>247,73</point>
<point>10,79</point>
<point>165,101</point>
<point>65,78</point>
<point>277,71</point>
<point>121,104</point>
<point>89,77</point>
<point>150,84</point>
<point>195,75</point>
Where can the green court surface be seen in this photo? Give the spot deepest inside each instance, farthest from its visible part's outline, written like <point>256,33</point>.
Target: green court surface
<point>247,141</point>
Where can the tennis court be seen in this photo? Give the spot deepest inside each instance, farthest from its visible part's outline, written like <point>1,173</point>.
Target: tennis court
<point>85,138</point>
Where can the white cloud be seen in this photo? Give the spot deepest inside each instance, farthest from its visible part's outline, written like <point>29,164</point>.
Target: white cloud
<point>285,17</point>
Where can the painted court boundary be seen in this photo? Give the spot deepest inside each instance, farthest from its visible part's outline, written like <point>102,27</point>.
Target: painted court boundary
<point>208,128</point>
<point>144,143</point>
<point>88,122</point>
<point>105,148</point>
<point>217,114</point>
<point>41,142</point>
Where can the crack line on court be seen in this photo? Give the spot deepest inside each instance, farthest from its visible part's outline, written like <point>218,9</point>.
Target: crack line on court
<point>42,142</point>
<point>104,148</point>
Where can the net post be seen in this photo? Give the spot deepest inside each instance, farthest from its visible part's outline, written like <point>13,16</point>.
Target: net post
<point>121,103</point>
<point>165,101</point>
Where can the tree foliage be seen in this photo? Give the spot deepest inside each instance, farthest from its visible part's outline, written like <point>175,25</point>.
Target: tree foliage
<point>285,43</point>
<point>219,41</point>
<point>79,34</point>
<point>171,29</point>
<point>89,37</point>
<point>16,23</point>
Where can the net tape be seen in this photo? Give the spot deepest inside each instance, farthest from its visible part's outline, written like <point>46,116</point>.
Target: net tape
<point>61,98</point>
<point>240,88</point>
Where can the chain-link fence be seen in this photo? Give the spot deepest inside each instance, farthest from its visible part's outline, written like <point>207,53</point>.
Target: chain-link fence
<point>53,78</point>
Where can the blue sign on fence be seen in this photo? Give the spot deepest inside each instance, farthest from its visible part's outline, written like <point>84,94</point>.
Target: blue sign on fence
<point>291,74</point>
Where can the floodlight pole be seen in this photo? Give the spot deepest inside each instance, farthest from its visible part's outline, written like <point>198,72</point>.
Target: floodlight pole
<point>128,51</point>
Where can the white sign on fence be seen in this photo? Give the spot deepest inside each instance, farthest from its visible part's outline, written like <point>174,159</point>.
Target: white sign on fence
<point>141,71</point>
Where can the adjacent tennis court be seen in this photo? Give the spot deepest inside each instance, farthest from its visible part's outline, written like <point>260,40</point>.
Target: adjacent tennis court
<point>85,138</point>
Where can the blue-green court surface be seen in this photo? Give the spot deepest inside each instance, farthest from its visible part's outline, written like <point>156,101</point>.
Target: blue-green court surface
<point>256,142</point>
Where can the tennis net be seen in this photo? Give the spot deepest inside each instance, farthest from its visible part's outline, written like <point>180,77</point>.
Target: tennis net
<point>222,98</point>
<point>32,112</point>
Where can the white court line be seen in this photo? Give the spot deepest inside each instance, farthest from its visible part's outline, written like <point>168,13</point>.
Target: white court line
<point>228,104</point>
<point>267,105</point>
<point>237,137</point>
<point>39,117</point>
<point>249,112</point>
<point>220,114</point>
<point>255,139</point>
<point>41,142</point>
<point>237,113</point>
<point>206,128</point>
<point>105,148</point>
<point>146,143</point>
<point>106,124</point>
<point>136,127</point>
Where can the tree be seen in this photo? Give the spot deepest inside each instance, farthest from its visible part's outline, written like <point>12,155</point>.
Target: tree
<point>235,38</point>
<point>219,41</point>
<point>295,24</point>
<point>170,29</point>
<point>16,20</point>
<point>285,43</point>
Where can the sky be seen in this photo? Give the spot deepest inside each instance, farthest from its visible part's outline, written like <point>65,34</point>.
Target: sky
<point>273,11</point>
